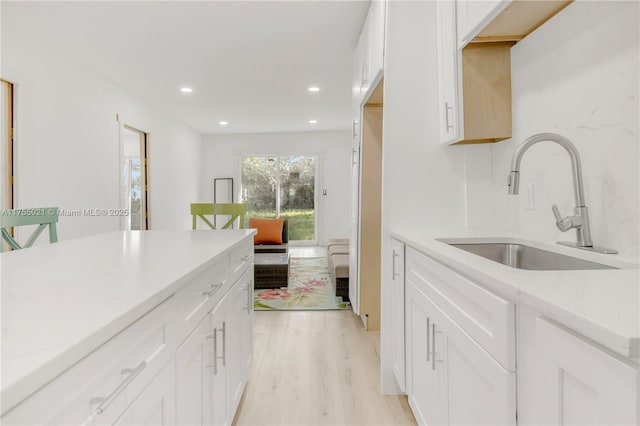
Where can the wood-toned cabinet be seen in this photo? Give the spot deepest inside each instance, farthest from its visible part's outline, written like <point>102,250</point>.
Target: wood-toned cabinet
<point>398,312</point>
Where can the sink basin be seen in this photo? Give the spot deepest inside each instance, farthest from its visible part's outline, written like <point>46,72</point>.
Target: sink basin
<point>521,256</point>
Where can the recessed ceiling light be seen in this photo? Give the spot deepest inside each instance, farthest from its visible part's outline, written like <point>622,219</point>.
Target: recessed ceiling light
<point>313,121</point>
<point>186,89</point>
<point>224,123</point>
<point>314,89</point>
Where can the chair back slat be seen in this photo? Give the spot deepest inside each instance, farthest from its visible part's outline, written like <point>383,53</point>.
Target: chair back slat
<point>43,217</point>
<point>235,210</point>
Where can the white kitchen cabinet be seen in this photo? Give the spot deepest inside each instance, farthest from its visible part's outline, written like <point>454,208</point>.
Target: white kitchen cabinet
<point>398,312</point>
<point>246,331</point>
<point>449,86</point>
<point>155,406</point>
<point>570,380</point>
<point>454,381</point>
<point>473,15</point>
<point>194,361</point>
<point>426,384</point>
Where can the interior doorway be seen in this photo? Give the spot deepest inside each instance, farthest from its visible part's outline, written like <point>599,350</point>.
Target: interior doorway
<point>134,173</point>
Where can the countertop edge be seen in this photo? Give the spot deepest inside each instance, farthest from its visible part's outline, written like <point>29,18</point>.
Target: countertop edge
<point>625,346</point>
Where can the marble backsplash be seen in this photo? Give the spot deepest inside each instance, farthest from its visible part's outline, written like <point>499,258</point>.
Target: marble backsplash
<point>577,76</point>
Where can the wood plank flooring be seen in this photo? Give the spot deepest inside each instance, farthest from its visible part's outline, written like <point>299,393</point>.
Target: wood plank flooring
<point>317,368</point>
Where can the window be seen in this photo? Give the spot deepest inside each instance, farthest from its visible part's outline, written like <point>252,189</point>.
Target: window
<point>135,178</point>
<point>282,186</point>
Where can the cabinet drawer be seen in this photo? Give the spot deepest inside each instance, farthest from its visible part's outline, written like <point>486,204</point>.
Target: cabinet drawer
<point>241,258</point>
<point>117,371</point>
<point>195,299</point>
<point>486,317</point>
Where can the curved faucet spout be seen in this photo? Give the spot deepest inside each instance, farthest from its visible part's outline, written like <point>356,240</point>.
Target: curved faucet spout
<point>576,165</point>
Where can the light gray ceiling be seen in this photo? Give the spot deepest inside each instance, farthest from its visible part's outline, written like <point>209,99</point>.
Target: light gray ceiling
<point>248,62</point>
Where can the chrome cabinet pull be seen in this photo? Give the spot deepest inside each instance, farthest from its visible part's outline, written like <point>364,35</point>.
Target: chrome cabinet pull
<point>105,402</point>
<point>354,155</point>
<point>215,352</point>
<point>354,125</point>
<point>433,347</point>
<point>249,296</point>
<point>428,344</point>
<point>212,288</point>
<point>393,269</point>
<point>446,115</point>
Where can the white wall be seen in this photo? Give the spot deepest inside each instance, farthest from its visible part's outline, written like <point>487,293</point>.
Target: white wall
<point>221,158</point>
<point>67,144</point>
<point>577,76</point>
<point>423,181</point>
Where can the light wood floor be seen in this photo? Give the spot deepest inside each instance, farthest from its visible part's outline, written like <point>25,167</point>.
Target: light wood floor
<point>317,368</point>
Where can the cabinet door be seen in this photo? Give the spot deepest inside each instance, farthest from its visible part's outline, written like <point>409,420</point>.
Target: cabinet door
<point>218,394</point>
<point>232,348</point>
<point>193,362</point>
<point>354,223</point>
<point>397,314</point>
<point>426,382</point>
<point>577,383</point>
<point>377,17</point>
<point>480,391</point>
<point>473,15</point>
<point>156,404</point>
<point>448,74</point>
<point>247,324</point>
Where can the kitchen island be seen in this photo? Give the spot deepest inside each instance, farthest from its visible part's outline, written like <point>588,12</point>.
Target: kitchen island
<point>88,323</point>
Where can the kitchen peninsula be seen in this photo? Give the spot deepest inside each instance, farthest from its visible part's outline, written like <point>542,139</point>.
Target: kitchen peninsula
<point>114,327</point>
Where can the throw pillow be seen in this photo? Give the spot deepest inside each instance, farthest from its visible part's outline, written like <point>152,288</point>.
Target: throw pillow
<point>269,230</point>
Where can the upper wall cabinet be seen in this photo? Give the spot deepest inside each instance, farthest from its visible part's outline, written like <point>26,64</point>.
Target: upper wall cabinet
<point>474,64</point>
<point>473,15</point>
<point>369,53</point>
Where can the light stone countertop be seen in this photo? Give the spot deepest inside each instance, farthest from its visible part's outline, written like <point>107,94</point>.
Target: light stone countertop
<point>61,301</point>
<point>603,305</point>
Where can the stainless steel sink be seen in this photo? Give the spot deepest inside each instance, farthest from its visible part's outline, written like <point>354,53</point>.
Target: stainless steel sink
<point>526,257</point>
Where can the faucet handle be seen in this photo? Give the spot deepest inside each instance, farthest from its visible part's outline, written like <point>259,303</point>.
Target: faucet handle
<point>563,224</point>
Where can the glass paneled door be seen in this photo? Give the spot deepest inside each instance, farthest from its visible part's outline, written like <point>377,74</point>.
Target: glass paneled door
<point>282,186</point>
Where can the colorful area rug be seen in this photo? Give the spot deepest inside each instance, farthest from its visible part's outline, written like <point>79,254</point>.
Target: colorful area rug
<point>310,288</point>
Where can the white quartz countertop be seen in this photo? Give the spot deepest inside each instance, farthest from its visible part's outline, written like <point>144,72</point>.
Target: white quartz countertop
<point>61,301</point>
<point>603,305</point>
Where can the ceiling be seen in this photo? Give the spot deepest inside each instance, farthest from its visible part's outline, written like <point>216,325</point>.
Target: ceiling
<point>249,63</point>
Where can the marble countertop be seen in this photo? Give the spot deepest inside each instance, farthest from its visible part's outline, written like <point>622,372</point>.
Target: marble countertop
<point>603,305</point>
<point>61,301</point>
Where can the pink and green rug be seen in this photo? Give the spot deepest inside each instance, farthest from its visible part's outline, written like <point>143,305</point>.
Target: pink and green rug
<point>310,288</point>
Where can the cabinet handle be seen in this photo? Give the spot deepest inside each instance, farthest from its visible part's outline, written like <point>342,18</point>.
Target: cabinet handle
<point>354,125</point>
<point>446,115</point>
<point>433,346</point>
<point>212,288</point>
<point>394,266</point>
<point>105,402</point>
<point>249,296</point>
<point>354,155</point>
<point>214,336</point>
<point>428,344</point>
<point>224,343</point>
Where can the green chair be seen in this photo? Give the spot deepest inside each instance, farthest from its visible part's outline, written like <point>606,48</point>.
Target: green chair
<point>235,210</point>
<point>42,217</point>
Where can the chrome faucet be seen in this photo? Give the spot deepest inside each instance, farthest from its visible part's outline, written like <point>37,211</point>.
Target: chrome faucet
<point>580,220</point>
